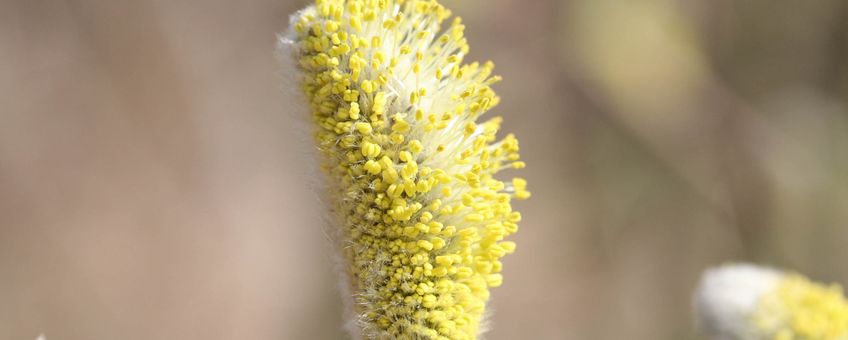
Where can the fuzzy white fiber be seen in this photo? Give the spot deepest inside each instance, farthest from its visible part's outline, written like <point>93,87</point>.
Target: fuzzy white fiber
<point>727,296</point>
<point>297,109</point>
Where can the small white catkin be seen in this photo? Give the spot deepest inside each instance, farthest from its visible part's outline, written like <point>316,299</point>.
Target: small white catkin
<point>727,297</point>
<point>748,302</point>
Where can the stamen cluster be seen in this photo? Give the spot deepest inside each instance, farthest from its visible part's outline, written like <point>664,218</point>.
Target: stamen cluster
<point>798,309</point>
<point>411,170</point>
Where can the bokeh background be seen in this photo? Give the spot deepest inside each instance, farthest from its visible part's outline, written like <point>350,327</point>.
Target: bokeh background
<point>154,183</point>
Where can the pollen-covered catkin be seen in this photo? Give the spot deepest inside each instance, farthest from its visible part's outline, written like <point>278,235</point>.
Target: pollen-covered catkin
<point>411,169</point>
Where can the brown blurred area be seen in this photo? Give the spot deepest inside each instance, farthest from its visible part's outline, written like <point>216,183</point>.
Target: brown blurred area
<point>154,182</point>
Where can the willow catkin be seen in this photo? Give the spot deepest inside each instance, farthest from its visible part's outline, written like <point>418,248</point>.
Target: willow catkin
<point>411,169</point>
<point>748,302</point>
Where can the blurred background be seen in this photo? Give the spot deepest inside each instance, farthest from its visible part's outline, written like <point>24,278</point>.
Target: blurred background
<point>153,179</point>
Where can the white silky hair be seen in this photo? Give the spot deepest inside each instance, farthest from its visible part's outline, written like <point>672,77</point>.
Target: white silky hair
<point>298,110</point>
<point>727,297</point>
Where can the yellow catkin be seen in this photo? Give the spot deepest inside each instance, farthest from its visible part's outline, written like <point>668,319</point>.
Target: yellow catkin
<point>411,168</point>
<point>798,309</point>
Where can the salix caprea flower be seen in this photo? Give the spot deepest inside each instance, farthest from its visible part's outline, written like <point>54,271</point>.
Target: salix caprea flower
<point>748,302</point>
<point>411,166</point>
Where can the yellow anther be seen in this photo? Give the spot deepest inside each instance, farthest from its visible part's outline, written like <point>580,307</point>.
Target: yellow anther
<point>424,244</point>
<point>379,57</point>
<point>389,24</point>
<point>508,246</point>
<point>370,150</point>
<point>470,127</point>
<point>522,194</point>
<point>364,128</point>
<point>394,190</point>
<point>444,260</point>
<point>355,23</point>
<point>494,280</point>
<point>440,271</point>
<point>367,86</point>
<point>409,170</point>
<point>467,200</point>
<point>519,182</point>
<point>426,217</point>
<point>446,191</point>
<point>438,243</point>
<point>411,232</point>
<point>405,156</point>
<point>474,218</point>
<point>400,124</point>
<point>464,272</point>
<point>332,26</point>
<point>415,146</point>
<point>373,167</point>
<point>386,162</point>
<point>354,111</point>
